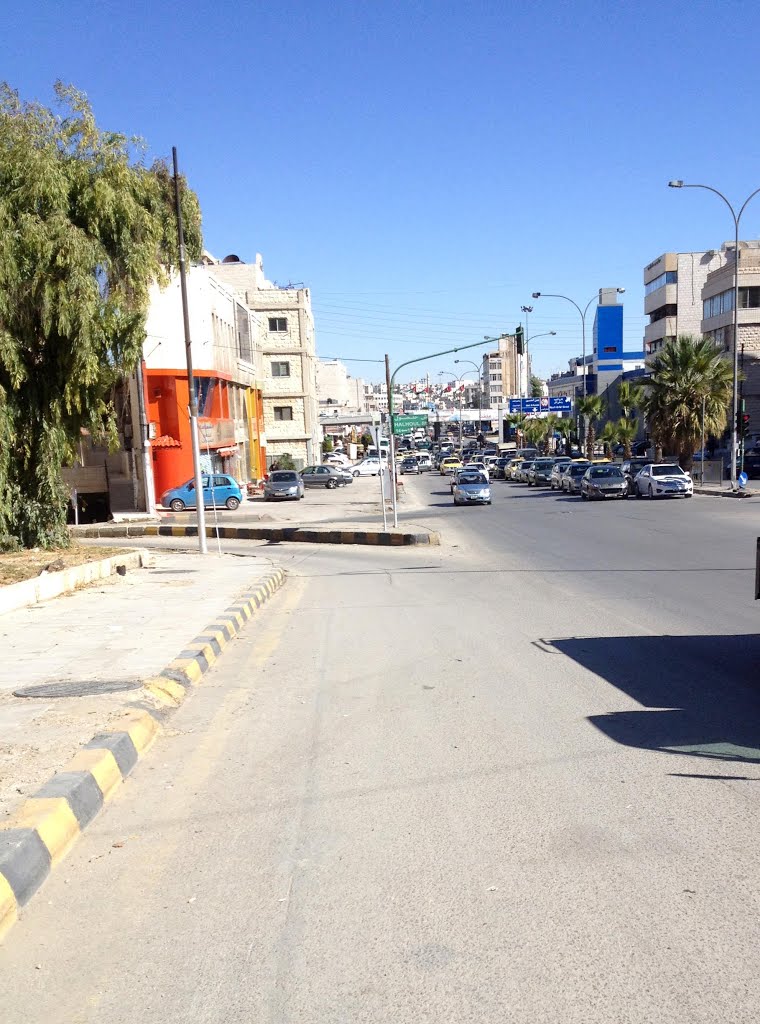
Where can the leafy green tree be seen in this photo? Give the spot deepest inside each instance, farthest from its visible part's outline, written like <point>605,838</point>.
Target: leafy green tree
<point>590,408</point>
<point>682,374</point>
<point>536,387</point>
<point>85,229</point>
<point>285,461</point>
<point>327,446</point>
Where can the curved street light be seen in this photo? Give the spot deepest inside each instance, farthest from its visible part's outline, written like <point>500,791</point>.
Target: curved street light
<point>528,340</point>
<point>479,371</point>
<point>582,312</point>
<point>737,217</point>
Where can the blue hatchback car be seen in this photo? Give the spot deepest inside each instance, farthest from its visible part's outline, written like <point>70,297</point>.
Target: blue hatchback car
<point>219,490</point>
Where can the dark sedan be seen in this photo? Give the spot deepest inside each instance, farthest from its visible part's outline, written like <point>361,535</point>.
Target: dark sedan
<point>325,476</point>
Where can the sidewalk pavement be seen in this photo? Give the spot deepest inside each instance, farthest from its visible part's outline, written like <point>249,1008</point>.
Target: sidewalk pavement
<point>101,642</point>
<point>722,490</point>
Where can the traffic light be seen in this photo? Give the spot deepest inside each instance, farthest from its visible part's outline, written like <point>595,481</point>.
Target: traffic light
<point>742,422</point>
<point>519,340</point>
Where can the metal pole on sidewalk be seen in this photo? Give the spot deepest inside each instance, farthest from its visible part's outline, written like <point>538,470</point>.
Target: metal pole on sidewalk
<point>703,440</point>
<point>193,398</point>
<point>391,444</point>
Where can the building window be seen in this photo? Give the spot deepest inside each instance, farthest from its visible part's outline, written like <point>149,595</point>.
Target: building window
<point>609,348</point>
<point>669,277</point>
<point>280,369</point>
<point>718,304</point>
<point>749,298</point>
<point>283,412</point>
<point>278,323</point>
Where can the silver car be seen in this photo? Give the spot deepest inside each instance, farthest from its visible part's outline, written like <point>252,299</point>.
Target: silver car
<point>605,480</point>
<point>471,488</point>
<point>284,483</point>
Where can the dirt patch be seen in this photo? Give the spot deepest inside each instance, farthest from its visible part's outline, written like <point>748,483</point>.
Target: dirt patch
<point>16,566</point>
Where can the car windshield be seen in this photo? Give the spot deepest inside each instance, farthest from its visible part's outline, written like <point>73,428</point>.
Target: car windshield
<point>472,478</point>
<point>667,471</point>
<point>578,470</point>
<point>543,463</point>
<point>606,472</point>
<point>283,477</point>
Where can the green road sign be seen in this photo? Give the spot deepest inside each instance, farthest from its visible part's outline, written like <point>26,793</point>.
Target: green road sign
<point>405,424</point>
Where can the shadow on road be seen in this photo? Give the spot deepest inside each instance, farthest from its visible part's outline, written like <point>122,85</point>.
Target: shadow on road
<point>704,688</point>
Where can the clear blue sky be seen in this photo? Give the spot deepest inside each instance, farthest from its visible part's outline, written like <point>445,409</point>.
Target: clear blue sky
<point>425,166</point>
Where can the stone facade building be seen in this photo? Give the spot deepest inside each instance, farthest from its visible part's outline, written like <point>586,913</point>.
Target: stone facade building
<point>673,286</point>
<point>718,317</point>
<point>284,325</point>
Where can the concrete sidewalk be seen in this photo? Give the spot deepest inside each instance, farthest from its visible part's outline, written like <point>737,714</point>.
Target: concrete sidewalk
<point>101,642</point>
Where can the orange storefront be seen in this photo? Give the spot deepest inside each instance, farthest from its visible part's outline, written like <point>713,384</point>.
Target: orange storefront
<point>167,405</point>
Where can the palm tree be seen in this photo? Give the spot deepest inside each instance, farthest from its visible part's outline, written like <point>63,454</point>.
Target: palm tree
<point>533,431</point>
<point>565,427</point>
<point>626,433</point>
<point>550,427</point>
<point>629,396</point>
<point>608,437</point>
<point>590,408</point>
<point>683,374</point>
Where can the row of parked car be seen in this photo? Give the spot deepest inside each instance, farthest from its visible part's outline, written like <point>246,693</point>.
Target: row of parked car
<point>602,478</point>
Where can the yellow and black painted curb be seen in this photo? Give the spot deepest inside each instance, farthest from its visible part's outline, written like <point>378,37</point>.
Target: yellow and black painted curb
<point>375,538</point>
<point>35,839</point>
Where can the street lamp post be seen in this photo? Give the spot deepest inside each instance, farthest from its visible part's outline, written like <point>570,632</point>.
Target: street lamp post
<point>582,313</point>
<point>526,310</point>
<point>478,370</point>
<point>735,404</point>
<point>461,395</point>
<point>528,340</point>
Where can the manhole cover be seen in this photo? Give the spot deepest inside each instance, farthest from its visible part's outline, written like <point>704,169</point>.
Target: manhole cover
<point>91,688</point>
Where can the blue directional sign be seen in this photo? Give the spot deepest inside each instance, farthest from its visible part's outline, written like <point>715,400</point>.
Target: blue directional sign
<point>560,404</point>
<point>534,405</point>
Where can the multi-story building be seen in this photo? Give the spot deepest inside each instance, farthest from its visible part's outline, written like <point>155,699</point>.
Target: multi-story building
<point>226,367</point>
<point>673,286</point>
<point>500,372</point>
<point>717,301</point>
<point>285,329</point>
<point>337,389</point>
<point>610,357</point>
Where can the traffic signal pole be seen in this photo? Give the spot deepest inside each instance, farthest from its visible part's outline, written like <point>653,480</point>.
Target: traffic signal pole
<point>390,381</point>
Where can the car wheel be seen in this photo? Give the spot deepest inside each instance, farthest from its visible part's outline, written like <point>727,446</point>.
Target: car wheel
<point>356,473</point>
<point>638,492</point>
<point>584,496</point>
<point>651,492</point>
<point>232,503</point>
<point>177,505</point>
<point>330,485</point>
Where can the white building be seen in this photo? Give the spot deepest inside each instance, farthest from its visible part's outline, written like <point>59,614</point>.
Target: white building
<point>285,326</point>
<point>338,390</point>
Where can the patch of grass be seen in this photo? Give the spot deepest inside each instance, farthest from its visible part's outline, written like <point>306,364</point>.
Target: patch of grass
<point>16,566</point>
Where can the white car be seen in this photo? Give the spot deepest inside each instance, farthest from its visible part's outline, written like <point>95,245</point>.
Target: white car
<point>367,467</point>
<point>482,467</point>
<point>662,479</point>
<point>337,459</point>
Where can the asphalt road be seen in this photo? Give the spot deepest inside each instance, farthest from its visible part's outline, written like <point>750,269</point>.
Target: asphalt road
<point>511,779</point>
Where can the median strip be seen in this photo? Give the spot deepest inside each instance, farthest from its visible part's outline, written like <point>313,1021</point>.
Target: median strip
<point>282,534</point>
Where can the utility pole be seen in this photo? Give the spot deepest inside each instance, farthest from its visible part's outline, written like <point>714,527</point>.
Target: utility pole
<point>391,443</point>
<point>192,397</point>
